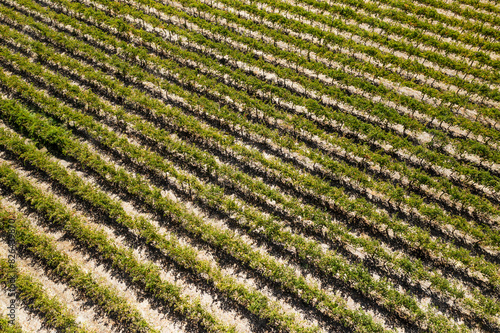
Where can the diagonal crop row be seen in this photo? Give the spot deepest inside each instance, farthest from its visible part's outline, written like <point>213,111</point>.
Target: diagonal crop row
<point>343,25</point>
<point>249,29</point>
<point>106,298</point>
<point>418,162</point>
<point>467,156</point>
<point>284,68</point>
<point>453,13</point>
<point>224,239</point>
<point>255,219</point>
<point>144,275</point>
<point>367,67</point>
<point>334,182</point>
<point>402,62</point>
<point>352,171</point>
<point>437,12</point>
<point>475,40</point>
<point>418,137</point>
<point>270,122</point>
<point>31,293</point>
<point>392,30</point>
<point>183,255</point>
<point>221,171</point>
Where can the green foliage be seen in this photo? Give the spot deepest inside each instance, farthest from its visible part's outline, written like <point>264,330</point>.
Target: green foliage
<point>363,145</point>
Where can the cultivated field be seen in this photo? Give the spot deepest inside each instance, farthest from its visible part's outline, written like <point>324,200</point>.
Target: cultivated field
<point>250,166</point>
